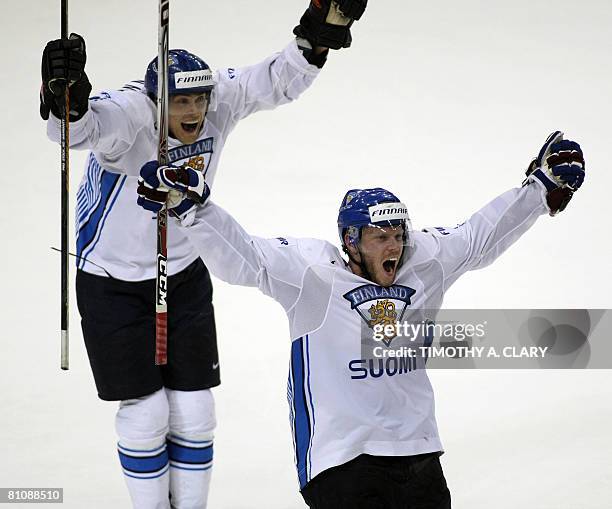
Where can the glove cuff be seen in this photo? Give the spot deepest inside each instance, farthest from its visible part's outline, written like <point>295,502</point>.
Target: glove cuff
<point>185,212</point>
<point>555,197</point>
<point>79,100</point>
<point>306,47</point>
<point>543,178</point>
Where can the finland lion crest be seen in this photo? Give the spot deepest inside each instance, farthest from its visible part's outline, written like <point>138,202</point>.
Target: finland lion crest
<point>378,305</point>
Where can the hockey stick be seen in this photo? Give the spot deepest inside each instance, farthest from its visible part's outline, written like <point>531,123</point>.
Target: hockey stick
<point>65,171</point>
<point>161,291</point>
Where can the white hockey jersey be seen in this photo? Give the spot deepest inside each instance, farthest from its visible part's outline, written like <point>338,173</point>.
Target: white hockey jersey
<point>342,405</point>
<point>114,234</point>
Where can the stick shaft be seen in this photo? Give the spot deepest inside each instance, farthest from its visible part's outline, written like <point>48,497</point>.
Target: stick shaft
<point>161,293</point>
<point>65,180</point>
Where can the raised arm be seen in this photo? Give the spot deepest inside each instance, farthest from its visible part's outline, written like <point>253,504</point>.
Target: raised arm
<point>108,123</point>
<point>111,124</point>
<point>279,79</point>
<point>282,77</point>
<point>275,266</point>
<point>552,178</point>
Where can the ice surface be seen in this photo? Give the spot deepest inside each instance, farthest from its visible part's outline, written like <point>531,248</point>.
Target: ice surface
<point>445,103</point>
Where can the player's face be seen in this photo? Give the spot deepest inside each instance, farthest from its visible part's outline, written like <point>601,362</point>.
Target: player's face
<point>380,250</point>
<point>186,114</point>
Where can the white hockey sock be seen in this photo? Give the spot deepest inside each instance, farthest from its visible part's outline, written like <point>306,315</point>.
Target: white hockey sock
<point>190,447</point>
<point>142,426</point>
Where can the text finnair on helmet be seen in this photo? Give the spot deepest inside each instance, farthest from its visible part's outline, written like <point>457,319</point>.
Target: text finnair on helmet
<point>190,79</point>
<point>388,212</point>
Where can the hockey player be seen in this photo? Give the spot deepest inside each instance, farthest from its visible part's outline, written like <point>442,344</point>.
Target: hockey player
<point>364,430</point>
<point>166,417</point>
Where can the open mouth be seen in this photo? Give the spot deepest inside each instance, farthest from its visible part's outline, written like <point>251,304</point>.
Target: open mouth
<point>389,265</point>
<point>190,127</point>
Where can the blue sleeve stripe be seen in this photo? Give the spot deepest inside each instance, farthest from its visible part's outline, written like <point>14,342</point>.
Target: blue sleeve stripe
<point>191,455</point>
<point>81,199</point>
<point>88,230</point>
<point>121,180</point>
<point>144,464</point>
<point>302,428</point>
<point>89,191</point>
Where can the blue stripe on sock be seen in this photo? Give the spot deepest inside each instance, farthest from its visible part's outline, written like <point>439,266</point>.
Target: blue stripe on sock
<point>191,455</point>
<point>165,470</point>
<point>144,464</point>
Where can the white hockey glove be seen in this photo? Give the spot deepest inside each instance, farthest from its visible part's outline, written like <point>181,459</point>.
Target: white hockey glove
<point>559,167</point>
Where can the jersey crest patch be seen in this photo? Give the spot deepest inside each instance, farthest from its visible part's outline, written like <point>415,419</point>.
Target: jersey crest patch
<point>197,155</point>
<point>381,306</point>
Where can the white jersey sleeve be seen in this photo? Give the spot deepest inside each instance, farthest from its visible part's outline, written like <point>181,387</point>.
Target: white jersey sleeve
<point>275,266</point>
<point>487,234</point>
<point>113,124</point>
<point>279,79</point>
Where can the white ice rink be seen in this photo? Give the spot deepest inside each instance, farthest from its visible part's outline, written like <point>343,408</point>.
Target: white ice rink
<point>442,102</point>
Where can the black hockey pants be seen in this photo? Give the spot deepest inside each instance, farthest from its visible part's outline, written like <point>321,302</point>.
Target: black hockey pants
<point>381,482</point>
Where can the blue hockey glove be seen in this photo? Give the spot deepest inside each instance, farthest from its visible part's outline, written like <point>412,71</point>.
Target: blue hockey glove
<point>559,167</point>
<point>182,189</point>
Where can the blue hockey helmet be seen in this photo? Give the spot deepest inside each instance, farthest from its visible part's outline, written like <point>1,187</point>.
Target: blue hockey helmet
<point>187,74</point>
<point>370,207</point>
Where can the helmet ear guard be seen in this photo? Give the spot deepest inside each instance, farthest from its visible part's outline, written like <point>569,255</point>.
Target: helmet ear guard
<point>354,234</point>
